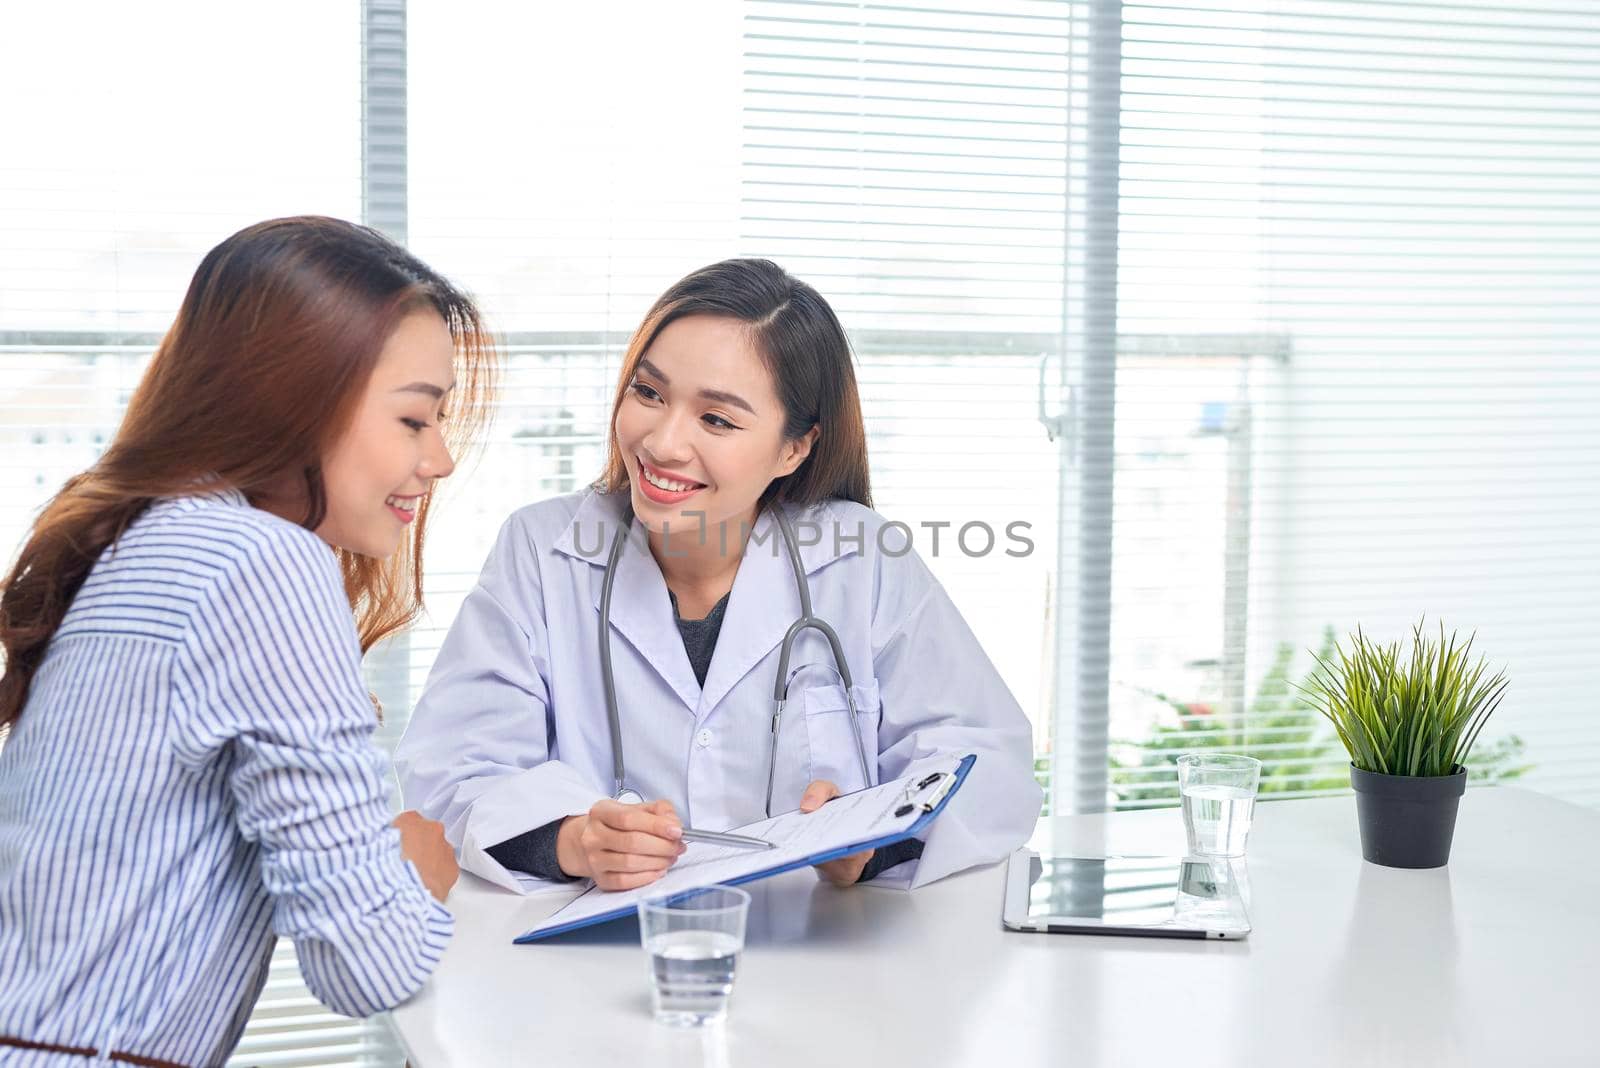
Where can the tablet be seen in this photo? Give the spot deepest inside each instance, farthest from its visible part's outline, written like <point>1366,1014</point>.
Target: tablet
<point>1155,897</point>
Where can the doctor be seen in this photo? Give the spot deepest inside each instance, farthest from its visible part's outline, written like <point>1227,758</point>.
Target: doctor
<point>736,410</point>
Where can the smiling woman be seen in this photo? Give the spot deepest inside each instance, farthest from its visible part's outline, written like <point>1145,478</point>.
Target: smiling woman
<point>681,440</point>
<point>189,769</point>
<point>744,351</point>
<point>379,471</point>
<point>736,417</point>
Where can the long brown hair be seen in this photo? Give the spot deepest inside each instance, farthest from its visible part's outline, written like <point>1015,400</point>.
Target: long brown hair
<point>804,348</point>
<point>259,375</point>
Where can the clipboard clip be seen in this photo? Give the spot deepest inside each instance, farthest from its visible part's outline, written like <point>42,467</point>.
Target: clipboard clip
<point>941,781</point>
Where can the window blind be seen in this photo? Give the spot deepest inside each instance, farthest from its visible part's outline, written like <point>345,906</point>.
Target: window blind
<point>912,163</point>
<point>682,156</point>
<point>176,127</point>
<point>1338,259</point>
<point>1400,200</point>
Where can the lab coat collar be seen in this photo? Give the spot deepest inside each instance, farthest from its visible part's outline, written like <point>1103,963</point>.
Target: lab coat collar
<point>589,535</point>
<point>599,514</point>
<point>765,602</point>
<point>640,610</point>
<point>763,605</point>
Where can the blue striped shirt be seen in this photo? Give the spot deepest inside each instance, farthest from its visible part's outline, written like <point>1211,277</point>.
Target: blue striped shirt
<point>193,775</point>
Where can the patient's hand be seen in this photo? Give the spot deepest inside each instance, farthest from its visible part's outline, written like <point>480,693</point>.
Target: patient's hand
<point>846,870</point>
<point>422,842</point>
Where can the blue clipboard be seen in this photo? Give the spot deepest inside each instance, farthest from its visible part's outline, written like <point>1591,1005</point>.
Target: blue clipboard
<point>913,829</point>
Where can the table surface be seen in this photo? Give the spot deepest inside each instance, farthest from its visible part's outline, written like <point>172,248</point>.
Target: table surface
<point>1491,960</point>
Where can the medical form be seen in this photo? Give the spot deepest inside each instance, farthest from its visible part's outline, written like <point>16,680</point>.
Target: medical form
<point>866,819</point>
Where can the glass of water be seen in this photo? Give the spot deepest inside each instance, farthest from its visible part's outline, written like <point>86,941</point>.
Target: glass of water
<point>694,939</point>
<point>1219,798</point>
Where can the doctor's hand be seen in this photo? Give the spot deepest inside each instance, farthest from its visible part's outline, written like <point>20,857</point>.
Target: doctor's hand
<point>846,870</point>
<point>422,842</point>
<point>620,846</point>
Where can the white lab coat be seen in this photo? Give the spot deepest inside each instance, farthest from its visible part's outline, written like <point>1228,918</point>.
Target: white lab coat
<point>510,732</point>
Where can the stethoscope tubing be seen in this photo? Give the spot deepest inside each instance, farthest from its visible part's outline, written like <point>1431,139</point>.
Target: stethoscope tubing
<point>780,688</point>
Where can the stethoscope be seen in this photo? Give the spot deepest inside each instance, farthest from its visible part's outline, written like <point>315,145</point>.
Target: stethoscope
<point>780,687</point>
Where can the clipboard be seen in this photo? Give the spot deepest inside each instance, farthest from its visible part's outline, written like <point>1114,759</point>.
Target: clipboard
<point>554,926</point>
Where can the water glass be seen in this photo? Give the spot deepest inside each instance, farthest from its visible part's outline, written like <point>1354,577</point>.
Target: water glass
<point>1219,799</point>
<point>694,939</point>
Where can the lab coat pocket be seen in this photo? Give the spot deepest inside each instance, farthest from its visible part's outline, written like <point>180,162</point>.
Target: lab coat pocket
<point>833,743</point>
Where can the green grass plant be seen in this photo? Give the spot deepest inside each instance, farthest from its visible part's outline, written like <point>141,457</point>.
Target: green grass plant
<point>1396,716</point>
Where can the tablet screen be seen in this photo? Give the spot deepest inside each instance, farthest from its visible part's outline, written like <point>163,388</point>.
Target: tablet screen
<point>1126,891</point>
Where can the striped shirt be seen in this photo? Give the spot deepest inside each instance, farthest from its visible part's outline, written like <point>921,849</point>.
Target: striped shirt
<point>193,775</point>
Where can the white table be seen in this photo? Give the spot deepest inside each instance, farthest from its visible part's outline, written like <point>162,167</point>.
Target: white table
<point>1494,960</point>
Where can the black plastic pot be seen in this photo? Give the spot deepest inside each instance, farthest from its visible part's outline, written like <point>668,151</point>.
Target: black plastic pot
<point>1407,821</point>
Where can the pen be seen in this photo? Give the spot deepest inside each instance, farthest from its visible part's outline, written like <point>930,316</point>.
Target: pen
<point>932,801</point>
<point>737,841</point>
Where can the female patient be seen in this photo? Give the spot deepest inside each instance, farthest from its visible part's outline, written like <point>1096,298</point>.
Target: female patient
<point>189,768</point>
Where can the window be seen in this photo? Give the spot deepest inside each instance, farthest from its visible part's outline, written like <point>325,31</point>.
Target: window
<point>1396,202</point>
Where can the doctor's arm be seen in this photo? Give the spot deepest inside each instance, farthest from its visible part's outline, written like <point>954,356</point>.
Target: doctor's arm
<point>941,698</point>
<point>621,847</point>
<point>477,753</point>
<point>858,867</point>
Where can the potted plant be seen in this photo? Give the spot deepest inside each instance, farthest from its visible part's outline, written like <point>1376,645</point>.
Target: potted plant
<point>1408,726</point>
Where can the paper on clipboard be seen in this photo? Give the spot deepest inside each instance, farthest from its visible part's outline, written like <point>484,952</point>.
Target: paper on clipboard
<point>863,820</point>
